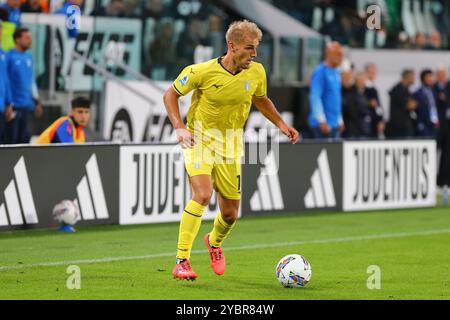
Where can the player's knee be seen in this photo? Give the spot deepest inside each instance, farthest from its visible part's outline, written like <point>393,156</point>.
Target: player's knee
<point>203,196</point>
<point>230,216</point>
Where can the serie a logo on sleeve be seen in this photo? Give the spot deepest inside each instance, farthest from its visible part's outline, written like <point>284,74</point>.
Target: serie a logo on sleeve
<point>183,80</point>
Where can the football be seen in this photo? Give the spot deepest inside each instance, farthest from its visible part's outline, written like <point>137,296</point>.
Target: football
<point>293,270</point>
<point>66,212</point>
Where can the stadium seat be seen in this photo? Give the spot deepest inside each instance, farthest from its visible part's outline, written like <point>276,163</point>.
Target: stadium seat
<point>408,19</point>
<point>429,20</point>
<point>148,35</point>
<point>419,19</point>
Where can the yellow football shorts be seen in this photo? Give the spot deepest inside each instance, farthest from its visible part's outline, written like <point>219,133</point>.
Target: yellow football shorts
<point>225,173</point>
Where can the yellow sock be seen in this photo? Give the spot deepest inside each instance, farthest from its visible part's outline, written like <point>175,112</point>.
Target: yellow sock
<point>220,231</point>
<point>189,226</point>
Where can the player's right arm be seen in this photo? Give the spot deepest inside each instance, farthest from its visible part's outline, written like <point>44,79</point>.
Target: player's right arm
<point>184,136</point>
<point>189,79</point>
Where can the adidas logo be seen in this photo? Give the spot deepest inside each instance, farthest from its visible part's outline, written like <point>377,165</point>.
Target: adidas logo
<point>90,195</point>
<point>321,193</point>
<point>19,199</point>
<point>268,195</point>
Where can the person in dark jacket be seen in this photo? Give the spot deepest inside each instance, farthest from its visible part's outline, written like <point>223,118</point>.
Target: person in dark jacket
<point>427,116</point>
<point>357,119</point>
<point>402,120</point>
<point>376,111</point>
<point>442,94</point>
<point>348,113</point>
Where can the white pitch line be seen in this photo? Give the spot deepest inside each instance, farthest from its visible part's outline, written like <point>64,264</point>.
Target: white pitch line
<point>249,247</point>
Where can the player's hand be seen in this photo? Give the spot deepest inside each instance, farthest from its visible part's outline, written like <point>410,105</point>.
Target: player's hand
<point>325,128</point>
<point>185,138</point>
<point>411,104</point>
<point>381,126</point>
<point>341,128</point>
<point>38,111</point>
<point>373,103</point>
<point>292,134</point>
<point>9,112</point>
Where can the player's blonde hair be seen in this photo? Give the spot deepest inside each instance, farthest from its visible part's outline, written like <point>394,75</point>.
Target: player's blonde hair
<point>239,29</point>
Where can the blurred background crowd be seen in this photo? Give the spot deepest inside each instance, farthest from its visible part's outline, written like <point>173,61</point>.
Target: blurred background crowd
<point>176,33</point>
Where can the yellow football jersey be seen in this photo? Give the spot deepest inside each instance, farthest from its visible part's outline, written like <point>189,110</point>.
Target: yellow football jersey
<point>221,102</point>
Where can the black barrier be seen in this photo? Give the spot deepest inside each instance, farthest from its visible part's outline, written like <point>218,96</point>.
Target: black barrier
<point>34,179</point>
<point>147,183</point>
<point>302,177</point>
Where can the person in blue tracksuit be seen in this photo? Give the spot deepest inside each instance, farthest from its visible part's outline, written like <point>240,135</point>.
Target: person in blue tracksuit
<point>24,95</point>
<point>325,115</point>
<point>5,93</point>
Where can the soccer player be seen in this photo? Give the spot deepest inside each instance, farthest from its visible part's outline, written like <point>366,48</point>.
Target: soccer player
<point>224,89</point>
<point>69,129</point>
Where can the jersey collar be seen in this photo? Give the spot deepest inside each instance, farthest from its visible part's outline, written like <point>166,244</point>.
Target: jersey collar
<point>219,60</point>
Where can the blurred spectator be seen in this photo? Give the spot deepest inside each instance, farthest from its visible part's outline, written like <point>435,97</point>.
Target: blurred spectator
<point>420,41</point>
<point>189,39</point>
<point>301,10</point>
<point>115,8</point>
<point>3,14</point>
<point>72,10</point>
<point>132,8</point>
<point>24,93</point>
<point>69,129</point>
<point>376,111</point>
<point>353,27</point>
<point>348,113</point>
<point>442,93</point>
<point>441,90</point>
<point>327,20</point>
<point>188,9</point>
<point>5,94</point>
<point>8,28</point>
<point>357,113</point>
<point>345,20</point>
<point>154,9</point>
<point>325,116</point>
<point>163,52</point>
<point>32,6</point>
<point>13,9</point>
<point>427,116</point>
<point>402,41</point>
<point>434,41</point>
<point>216,35</point>
<point>402,120</point>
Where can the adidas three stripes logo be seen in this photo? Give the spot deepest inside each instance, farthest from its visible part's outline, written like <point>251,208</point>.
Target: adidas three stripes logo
<point>321,193</point>
<point>19,207</point>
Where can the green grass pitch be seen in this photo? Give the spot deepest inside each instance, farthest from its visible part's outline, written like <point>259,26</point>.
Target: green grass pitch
<point>411,247</point>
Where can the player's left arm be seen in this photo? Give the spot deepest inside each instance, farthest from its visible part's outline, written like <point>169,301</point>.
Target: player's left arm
<point>267,108</point>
